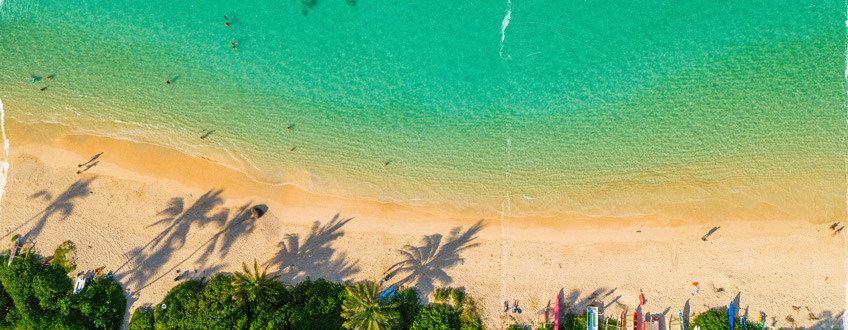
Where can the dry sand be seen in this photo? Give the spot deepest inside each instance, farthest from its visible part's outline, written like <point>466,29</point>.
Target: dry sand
<point>146,212</point>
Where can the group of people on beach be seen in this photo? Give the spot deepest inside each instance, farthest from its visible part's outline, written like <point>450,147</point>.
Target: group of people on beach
<point>515,308</point>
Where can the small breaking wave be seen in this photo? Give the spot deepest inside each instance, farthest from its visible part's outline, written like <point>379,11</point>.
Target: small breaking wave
<point>504,24</point>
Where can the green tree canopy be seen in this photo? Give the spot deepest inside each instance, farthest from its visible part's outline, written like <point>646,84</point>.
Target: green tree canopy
<point>363,310</point>
<point>250,287</point>
<point>437,317</point>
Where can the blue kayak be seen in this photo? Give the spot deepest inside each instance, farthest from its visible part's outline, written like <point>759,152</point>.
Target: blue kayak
<point>387,293</point>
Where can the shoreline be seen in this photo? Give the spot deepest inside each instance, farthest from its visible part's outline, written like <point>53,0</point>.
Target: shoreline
<point>125,220</point>
<point>688,212</point>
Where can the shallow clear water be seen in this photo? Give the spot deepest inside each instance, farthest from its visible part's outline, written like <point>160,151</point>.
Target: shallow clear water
<point>592,108</point>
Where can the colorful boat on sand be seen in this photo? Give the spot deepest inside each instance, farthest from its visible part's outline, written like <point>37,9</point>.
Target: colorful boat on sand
<point>16,247</point>
<point>620,324</point>
<point>387,293</point>
<point>592,318</point>
<point>80,284</point>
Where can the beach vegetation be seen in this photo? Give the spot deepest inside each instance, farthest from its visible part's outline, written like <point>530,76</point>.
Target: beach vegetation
<point>142,319</point>
<point>542,326</point>
<point>408,307</point>
<point>458,297</point>
<point>363,310</point>
<point>317,305</point>
<point>253,287</point>
<point>65,256</point>
<point>464,306</point>
<point>572,321</point>
<point>102,304</point>
<point>311,304</point>
<point>441,295</point>
<point>716,319</point>
<point>199,304</point>
<point>7,309</point>
<point>437,316</point>
<point>38,296</point>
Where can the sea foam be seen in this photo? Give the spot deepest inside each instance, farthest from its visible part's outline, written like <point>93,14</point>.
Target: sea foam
<point>4,164</point>
<point>504,24</point>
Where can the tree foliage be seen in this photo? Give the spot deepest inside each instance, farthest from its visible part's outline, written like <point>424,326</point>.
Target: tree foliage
<point>8,313</point>
<point>65,256</point>
<point>36,296</point>
<point>437,316</point>
<point>102,304</point>
<point>408,307</point>
<point>716,319</point>
<point>175,311</point>
<point>363,310</point>
<point>142,319</point>
<point>317,305</point>
<point>250,287</point>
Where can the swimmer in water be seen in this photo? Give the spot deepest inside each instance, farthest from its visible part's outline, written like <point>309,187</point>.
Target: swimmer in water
<point>233,44</point>
<point>167,82</point>
<point>226,21</point>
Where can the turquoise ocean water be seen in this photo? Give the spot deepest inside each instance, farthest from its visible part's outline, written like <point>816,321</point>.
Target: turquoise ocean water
<point>597,108</point>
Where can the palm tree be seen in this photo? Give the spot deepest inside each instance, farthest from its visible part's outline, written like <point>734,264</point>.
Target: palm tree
<point>251,288</point>
<point>363,310</point>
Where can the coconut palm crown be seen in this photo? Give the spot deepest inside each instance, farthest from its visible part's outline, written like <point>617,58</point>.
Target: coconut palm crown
<point>363,310</point>
<point>251,287</point>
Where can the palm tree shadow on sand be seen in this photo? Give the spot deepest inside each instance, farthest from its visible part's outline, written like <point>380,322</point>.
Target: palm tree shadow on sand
<point>426,265</point>
<point>64,204</point>
<point>313,256</point>
<point>146,263</point>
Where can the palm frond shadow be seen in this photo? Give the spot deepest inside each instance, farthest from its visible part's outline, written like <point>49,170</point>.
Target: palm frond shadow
<point>426,265</point>
<point>62,204</point>
<point>313,256</point>
<point>147,262</point>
